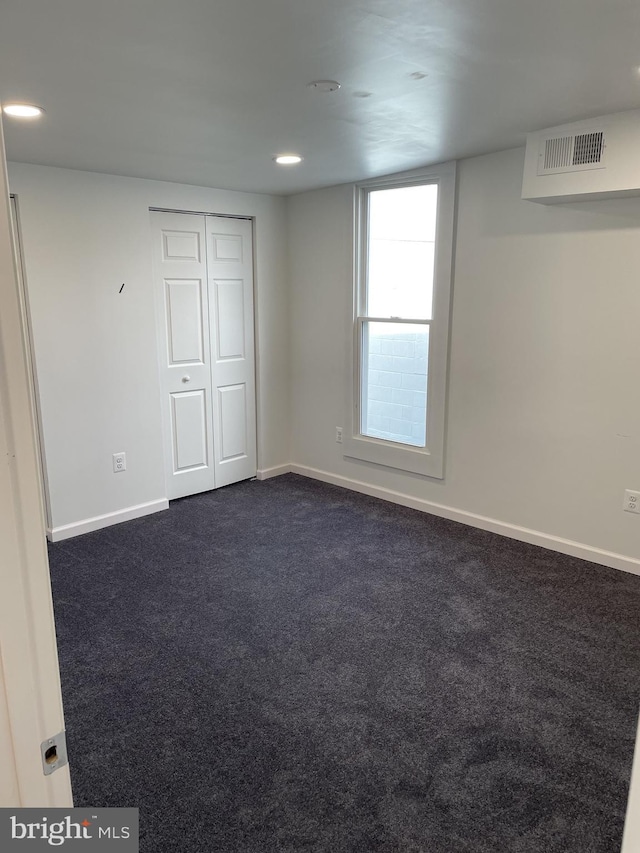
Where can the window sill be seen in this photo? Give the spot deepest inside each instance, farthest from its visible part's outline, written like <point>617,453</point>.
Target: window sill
<point>416,460</point>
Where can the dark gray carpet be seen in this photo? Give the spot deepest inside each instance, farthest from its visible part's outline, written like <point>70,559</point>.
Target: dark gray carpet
<point>288,666</point>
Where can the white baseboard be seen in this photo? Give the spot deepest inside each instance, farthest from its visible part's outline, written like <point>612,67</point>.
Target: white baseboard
<point>512,531</point>
<point>66,531</point>
<point>267,473</point>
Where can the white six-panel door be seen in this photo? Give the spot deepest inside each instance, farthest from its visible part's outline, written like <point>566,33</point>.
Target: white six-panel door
<point>203,270</point>
<point>230,272</point>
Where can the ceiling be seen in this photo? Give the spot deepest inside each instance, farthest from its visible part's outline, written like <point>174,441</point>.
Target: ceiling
<point>206,92</point>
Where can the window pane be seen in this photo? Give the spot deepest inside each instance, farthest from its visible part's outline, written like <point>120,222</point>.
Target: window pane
<point>400,264</point>
<point>394,381</point>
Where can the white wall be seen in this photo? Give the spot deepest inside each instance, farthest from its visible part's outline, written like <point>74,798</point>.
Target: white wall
<point>85,234</point>
<point>543,419</point>
<point>544,411</point>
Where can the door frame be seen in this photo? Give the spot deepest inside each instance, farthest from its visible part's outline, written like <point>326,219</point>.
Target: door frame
<point>159,308</point>
<point>28,650</point>
<point>31,353</point>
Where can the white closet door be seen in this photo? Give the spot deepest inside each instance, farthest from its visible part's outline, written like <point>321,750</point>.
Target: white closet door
<point>180,273</point>
<point>230,272</point>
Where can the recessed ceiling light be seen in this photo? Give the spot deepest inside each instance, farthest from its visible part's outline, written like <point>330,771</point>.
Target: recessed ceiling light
<point>288,159</point>
<point>22,110</point>
<point>324,85</point>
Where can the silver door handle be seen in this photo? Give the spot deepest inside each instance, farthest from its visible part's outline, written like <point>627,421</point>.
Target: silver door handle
<point>186,378</point>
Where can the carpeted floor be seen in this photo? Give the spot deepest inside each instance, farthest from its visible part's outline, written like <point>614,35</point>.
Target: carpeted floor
<point>288,666</point>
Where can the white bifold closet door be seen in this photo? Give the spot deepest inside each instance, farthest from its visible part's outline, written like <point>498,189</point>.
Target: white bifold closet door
<point>203,269</point>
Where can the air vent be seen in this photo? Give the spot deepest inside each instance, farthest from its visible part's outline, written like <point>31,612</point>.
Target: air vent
<point>588,148</point>
<point>557,153</point>
<point>588,160</point>
<point>571,153</point>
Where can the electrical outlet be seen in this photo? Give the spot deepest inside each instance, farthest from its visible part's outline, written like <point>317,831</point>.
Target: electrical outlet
<point>339,435</point>
<point>631,501</point>
<point>119,462</point>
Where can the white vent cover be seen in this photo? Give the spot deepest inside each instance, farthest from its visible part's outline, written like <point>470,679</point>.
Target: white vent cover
<point>571,152</point>
<point>588,160</point>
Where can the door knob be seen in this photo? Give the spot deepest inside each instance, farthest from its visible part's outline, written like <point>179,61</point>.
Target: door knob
<point>186,378</point>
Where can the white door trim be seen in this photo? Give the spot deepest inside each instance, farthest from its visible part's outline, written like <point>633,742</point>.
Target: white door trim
<point>199,213</point>
<point>31,361</point>
<point>631,837</point>
<point>28,652</point>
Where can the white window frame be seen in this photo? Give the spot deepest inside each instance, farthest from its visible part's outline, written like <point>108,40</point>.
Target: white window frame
<point>429,460</point>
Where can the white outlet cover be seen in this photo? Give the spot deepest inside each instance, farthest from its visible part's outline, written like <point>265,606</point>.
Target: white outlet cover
<point>119,462</point>
<point>631,501</point>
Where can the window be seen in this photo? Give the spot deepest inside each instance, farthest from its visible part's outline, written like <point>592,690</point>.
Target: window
<point>403,255</point>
